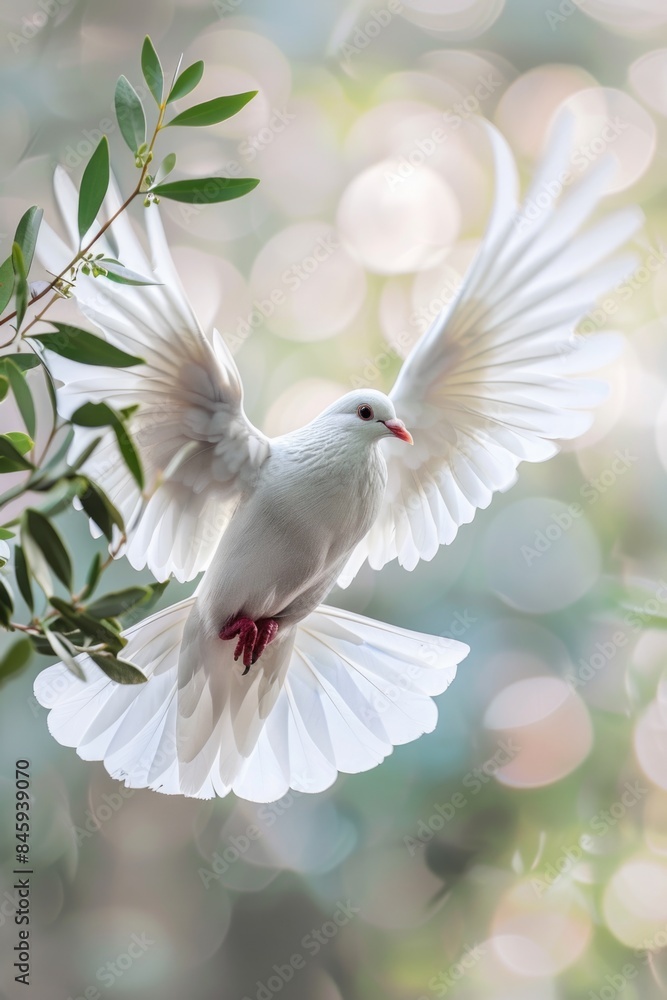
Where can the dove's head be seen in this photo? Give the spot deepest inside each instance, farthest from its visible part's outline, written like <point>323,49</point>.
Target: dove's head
<point>369,414</point>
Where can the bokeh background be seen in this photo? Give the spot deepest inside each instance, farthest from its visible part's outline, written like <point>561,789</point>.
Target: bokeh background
<point>520,851</point>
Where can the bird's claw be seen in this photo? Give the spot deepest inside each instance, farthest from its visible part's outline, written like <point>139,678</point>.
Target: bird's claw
<point>253,637</point>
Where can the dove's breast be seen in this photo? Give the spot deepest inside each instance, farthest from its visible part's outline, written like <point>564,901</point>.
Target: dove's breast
<point>287,544</point>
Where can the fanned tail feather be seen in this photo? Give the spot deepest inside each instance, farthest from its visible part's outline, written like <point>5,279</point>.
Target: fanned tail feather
<point>338,695</point>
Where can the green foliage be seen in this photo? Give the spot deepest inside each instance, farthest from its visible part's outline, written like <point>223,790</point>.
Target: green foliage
<point>13,447</point>
<point>101,415</point>
<point>118,670</point>
<point>94,185</point>
<point>165,168</point>
<point>21,290</point>
<point>206,190</point>
<point>99,509</point>
<point>130,114</point>
<point>22,395</point>
<point>26,234</point>
<point>186,82</point>
<point>54,479</point>
<point>151,67</point>
<point>213,112</point>
<point>6,283</point>
<point>41,532</point>
<point>17,657</point>
<point>84,347</point>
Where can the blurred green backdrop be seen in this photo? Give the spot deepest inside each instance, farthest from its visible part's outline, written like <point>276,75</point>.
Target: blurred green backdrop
<point>520,851</point>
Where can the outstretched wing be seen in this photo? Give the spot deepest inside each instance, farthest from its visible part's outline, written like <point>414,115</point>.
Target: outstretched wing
<point>190,427</point>
<point>494,381</point>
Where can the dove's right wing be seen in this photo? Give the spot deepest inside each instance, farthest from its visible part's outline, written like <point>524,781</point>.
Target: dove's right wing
<point>190,427</point>
<point>496,379</point>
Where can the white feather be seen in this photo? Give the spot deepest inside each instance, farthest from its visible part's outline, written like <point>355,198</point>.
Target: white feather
<point>346,691</point>
<point>188,391</point>
<point>489,384</point>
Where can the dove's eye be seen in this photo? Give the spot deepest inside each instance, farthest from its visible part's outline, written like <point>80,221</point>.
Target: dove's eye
<point>365,412</point>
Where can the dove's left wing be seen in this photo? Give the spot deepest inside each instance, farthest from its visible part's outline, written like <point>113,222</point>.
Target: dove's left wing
<point>190,427</point>
<point>495,380</point>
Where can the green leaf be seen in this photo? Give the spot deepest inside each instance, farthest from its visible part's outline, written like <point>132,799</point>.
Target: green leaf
<point>206,190</point>
<point>23,361</point>
<point>50,543</point>
<point>152,70</point>
<point>130,114</point>
<point>99,631</point>
<point>94,184</point>
<point>22,395</point>
<point>94,415</point>
<point>157,590</point>
<point>129,453</point>
<point>64,649</point>
<point>100,509</point>
<point>21,441</point>
<point>213,112</point>
<point>60,453</point>
<point>186,82</point>
<point>23,577</point>
<point>26,234</point>
<point>6,604</point>
<point>21,284</point>
<point>15,659</point>
<point>5,534</point>
<point>101,415</point>
<point>118,603</point>
<point>6,283</point>
<point>36,562</point>
<point>124,276</point>
<point>94,574</point>
<point>119,670</point>
<point>4,387</point>
<point>80,345</point>
<point>12,450</point>
<point>165,168</point>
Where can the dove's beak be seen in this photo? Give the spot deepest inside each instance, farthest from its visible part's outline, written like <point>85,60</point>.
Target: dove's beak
<point>399,430</point>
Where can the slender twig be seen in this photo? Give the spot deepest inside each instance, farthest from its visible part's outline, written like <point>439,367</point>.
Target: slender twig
<point>84,250</point>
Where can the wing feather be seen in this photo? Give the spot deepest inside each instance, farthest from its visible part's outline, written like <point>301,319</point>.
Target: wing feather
<point>496,379</point>
<point>190,427</point>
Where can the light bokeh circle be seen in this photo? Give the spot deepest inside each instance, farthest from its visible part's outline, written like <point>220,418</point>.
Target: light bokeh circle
<point>396,217</point>
<point>528,720</point>
<point>541,554</point>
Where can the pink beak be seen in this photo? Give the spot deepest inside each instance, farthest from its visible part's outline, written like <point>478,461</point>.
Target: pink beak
<point>399,430</point>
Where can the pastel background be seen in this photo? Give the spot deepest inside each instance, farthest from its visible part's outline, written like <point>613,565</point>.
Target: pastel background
<point>520,851</point>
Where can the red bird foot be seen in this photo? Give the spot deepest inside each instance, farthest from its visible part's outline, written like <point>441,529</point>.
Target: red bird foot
<point>253,637</point>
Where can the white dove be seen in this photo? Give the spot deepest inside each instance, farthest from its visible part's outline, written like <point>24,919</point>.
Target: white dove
<point>275,522</point>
